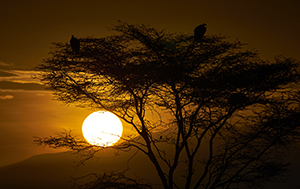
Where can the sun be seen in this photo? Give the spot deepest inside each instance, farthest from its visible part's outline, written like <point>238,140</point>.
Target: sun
<point>102,128</point>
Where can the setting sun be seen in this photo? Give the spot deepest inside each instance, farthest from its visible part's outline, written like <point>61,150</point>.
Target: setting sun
<point>102,128</point>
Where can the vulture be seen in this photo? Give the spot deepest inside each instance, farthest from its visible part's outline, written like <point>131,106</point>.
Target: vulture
<point>75,44</point>
<point>237,99</point>
<point>199,32</point>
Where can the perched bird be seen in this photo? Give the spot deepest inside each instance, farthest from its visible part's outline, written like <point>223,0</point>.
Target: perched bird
<point>199,32</point>
<point>237,99</point>
<point>75,44</point>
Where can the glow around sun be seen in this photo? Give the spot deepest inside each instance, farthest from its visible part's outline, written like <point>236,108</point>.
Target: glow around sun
<point>102,128</point>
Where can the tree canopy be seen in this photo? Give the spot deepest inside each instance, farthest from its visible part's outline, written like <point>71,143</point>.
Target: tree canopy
<point>226,114</point>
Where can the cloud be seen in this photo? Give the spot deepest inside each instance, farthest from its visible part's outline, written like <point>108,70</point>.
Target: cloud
<point>20,80</point>
<point>3,64</point>
<point>6,74</point>
<point>22,86</point>
<point>6,97</point>
<point>20,76</point>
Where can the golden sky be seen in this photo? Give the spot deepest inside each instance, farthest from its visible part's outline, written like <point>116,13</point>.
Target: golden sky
<point>28,28</point>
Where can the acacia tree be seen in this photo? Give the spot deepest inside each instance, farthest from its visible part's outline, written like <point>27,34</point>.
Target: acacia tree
<point>226,114</point>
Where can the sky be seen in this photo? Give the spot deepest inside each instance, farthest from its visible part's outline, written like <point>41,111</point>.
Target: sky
<point>29,27</point>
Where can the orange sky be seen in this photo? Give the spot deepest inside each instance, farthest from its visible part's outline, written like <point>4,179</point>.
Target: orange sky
<point>29,27</point>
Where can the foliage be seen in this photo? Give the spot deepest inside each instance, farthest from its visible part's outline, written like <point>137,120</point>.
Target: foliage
<point>109,180</point>
<point>226,114</point>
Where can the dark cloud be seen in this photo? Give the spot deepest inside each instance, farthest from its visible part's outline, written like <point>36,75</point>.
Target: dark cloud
<point>6,66</point>
<point>22,86</point>
<point>6,74</point>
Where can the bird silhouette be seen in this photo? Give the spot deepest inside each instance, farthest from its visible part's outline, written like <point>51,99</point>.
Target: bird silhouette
<point>237,99</point>
<point>199,32</point>
<point>75,44</point>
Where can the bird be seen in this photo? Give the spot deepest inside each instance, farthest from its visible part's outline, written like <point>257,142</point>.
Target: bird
<point>237,99</point>
<point>199,32</point>
<point>75,44</point>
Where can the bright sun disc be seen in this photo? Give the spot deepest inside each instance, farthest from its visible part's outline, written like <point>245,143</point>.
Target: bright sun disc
<point>102,128</point>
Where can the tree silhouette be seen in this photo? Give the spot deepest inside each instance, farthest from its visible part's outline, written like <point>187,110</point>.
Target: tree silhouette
<point>225,116</point>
